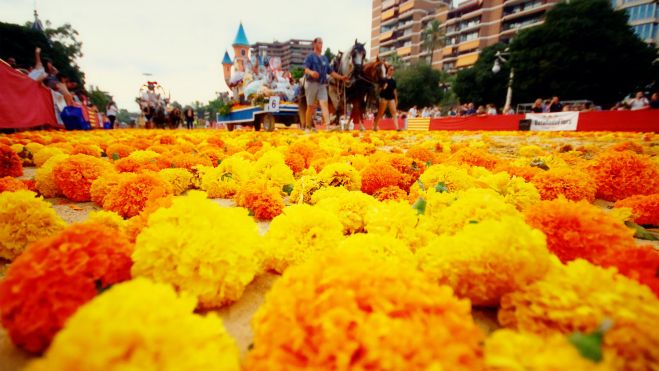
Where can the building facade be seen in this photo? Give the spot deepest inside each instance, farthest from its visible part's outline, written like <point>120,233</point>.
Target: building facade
<point>475,24</point>
<point>291,52</point>
<point>643,17</point>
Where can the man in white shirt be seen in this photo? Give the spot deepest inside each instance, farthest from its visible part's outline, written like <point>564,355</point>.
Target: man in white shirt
<point>640,102</point>
<point>38,73</point>
<point>412,112</point>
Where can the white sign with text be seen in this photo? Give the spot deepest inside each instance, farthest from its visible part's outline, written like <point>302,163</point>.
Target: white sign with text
<point>559,121</point>
<point>273,105</point>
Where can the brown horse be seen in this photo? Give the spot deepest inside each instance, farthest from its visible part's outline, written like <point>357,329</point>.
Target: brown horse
<point>364,88</point>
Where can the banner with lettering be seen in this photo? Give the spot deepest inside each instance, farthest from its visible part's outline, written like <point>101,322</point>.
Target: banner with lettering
<point>559,121</point>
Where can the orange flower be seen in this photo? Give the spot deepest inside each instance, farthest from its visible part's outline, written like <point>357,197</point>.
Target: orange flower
<point>644,208</point>
<point>9,184</point>
<point>295,162</point>
<point>139,222</point>
<point>640,263</point>
<point>422,154</point>
<point>379,175</point>
<point>619,175</point>
<point>571,183</point>
<point>47,283</point>
<point>132,191</point>
<point>74,175</point>
<point>263,200</point>
<point>86,149</point>
<point>116,151</point>
<point>390,193</point>
<point>526,172</point>
<point>628,146</point>
<point>410,169</point>
<point>474,157</point>
<point>10,163</point>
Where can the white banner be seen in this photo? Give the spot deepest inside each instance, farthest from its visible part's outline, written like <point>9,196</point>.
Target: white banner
<point>559,121</point>
<point>273,104</point>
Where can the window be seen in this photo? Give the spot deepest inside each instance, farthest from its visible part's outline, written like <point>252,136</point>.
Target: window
<point>640,12</point>
<point>468,37</point>
<point>646,31</point>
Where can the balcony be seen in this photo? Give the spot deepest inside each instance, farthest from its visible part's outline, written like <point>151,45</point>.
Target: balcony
<point>405,50</point>
<point>466,60</point>
<point>469,45</point>
<point>386,35</point>
<point>388,14</point>
<point>406,6</point>
<point>388,4</point>
<point>526,9</point>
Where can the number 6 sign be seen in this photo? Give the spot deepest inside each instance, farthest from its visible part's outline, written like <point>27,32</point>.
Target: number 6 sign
<point>273,105</point>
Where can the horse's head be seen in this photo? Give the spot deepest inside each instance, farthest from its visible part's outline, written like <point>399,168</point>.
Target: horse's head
<point>358,54</point>
<point>376,71</point>
<point>335,64</point>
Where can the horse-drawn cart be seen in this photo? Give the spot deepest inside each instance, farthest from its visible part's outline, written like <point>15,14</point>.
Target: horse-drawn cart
<point>267,115</point>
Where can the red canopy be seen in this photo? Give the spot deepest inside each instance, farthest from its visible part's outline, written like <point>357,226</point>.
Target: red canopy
<point>24,103</point>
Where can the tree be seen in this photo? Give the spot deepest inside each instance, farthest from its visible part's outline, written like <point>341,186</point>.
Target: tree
<point>395,60</point>
<point>433,37</point>
<point>99,97</point>
<point>297,72</point>
<point>329,55</point>
<point>479,85</point>
<point>584,50</point>
<point>418,84</point>
<point>176,104</point>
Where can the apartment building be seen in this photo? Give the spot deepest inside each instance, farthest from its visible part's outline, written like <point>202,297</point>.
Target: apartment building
<point>291,52</point>
<point>643,18</point>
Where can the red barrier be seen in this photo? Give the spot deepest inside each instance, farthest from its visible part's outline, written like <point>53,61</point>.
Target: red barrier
<point>24,103</point>
<point>642,121</point>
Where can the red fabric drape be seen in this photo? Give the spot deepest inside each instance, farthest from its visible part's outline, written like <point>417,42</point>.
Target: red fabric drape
<point>24,103</point>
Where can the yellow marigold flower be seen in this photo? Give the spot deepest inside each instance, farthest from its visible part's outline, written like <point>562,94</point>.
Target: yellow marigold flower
<point>515,190</point>
<point>484,261</point>
<point>327,192</point>
<point>34,147</point>
<point>144,156</point>
<point>341,174</point>
<point>350,309</point>
<point>298,233</point>
<point>396,219</point>
<point>224,180</point>
<point>104,184</point>
<point>107,218</point>
<point>531,150</point>
<point>24,218</point>
<point>304,189</point>
<point>384,246</point>
<point>450,212</point>
<point>272,166</point>
<point>140,325</point>
<point>578,297</point>
<point>552,161</point>
<point>453,178</point>
<point>350,207</point>
<point>45,179</point>
<point>40,157</point>
<point>507,350</point>
<point>199,247</point>
<point>179,179</point>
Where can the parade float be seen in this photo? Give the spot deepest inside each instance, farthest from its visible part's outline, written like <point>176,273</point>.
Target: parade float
<point>153,102</point>
<point>262,92</point>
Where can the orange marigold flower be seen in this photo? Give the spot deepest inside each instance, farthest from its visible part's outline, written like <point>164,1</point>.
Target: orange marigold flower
<point>45,285</point>
<point>295,162</point>
<point>116,151</point>
<point>75,174</point>
<point>189,160</point>
<point>578,229</point>
<point>349,309</point>
<point>132,191</point>
<point>379,175</point>
<point>640,263</point>
<point>10,163</point>
<point>261,198</point>
<point>135,224</point>
<point>10,184</point>
<point>474,157</point>
<point>422,154</point>
<point>390,193</point>
<point>410,169</point>
<point>570,183</point>
<point>628,146</point>
<point>644,208</point>
<point>102,185</point>
<point>526,172</point>
<point>619,175</point>
<point>305,149</point>
<point>86,149</point>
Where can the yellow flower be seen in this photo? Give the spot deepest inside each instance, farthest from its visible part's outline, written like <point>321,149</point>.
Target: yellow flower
<point>298,233</point>
<point>304,188</point>
<point>341,174</point>
<point>140,325</point>
<point>350,207</point>
<point>180,179</point>
<point>381,245</point>
<point>351,309</point>
<point>271,166</point>
<point>484,261</point>
<point>451,177</point>
<point>578,297</point>
<point>398,220</point>
<point>224,180</point>
<point>41,156</point>
<point>531,150</point>
<point>507,350</point>
<point>199,247</point>
<point>515,190</point>
<point>24,218</point>
<point>108,218</point>
<point>45,179</point>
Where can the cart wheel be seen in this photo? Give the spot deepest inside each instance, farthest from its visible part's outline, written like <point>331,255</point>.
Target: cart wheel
<point>269,122</point>
<point>230,127</point>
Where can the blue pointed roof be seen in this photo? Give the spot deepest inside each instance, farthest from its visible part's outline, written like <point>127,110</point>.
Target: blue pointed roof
<point>241,38</point>
<point>226,59</point>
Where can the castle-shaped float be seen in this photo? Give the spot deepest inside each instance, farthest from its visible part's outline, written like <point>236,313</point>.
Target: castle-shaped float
<point>250,76</point>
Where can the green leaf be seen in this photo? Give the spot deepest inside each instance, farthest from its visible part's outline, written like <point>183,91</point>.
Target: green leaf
<point>589,345</point>
<point>421,185</point>
<point>420,205</point>
<point>441,187</point>
<point>115,156</point>
<point>226,176</point>
<point>287,188</point>
<point>473,222</point>
<point>641,232</point>
<point>428,163</point>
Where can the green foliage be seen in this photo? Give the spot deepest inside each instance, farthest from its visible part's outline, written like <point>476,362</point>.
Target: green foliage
<point>418,84</point>
<point>433,37</point>
<point>329,55</point>
<point>297,72</point>
<point>479,85</point>
<point>99,97</point>
<point>420,205</point>
<point>63,49</point>
<point>124,116</point>
<point>395,60</point>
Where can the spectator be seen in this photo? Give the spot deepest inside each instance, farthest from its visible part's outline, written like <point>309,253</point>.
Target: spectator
<point>639,102</point>
<point>491,110</point>
<point>452,112</point>
<point>111,112</point>
<point>481,111</point>
<point>471,110</point>
<point>189,118</point>
<point>412,113</point>
<point>545,106</point>
<point>507,110</point>
<point>587,107</point>
<point>37,73</point>
<point>654,101</point>
<point>537,106</point>
<point>555,105</point>
<point>567,108</point>
<point>11,61</point>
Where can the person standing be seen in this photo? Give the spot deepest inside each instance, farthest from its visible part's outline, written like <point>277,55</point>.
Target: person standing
<point>639,102</point>
<point>189,117</point>
<point>111,112</point>
<point>388,99</point>
<point>654,101</point>
<point>317,71</point>
<point>537,106</point>
<point>555,105</point>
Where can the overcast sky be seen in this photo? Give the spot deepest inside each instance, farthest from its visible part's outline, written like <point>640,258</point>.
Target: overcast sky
<point>182,42</point>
